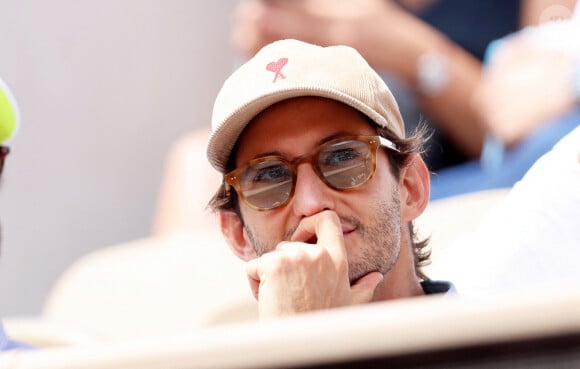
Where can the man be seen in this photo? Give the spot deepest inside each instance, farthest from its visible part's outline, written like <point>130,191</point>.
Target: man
<point>9,119</point>
<point>320,184</point>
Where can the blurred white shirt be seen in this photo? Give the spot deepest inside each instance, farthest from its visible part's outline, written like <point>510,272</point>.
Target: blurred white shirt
<point>531,241</point>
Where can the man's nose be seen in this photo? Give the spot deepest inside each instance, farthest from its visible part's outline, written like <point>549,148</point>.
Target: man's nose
<point>311,194</point>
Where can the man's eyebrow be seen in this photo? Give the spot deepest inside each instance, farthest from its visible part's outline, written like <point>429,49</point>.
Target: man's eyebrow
<point>322,141</point>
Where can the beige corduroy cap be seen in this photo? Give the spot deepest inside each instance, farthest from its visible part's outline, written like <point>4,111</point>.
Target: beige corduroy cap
<point>289,68</point>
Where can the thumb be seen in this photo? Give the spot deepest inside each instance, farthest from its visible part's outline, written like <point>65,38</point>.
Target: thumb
<point>364,288</point>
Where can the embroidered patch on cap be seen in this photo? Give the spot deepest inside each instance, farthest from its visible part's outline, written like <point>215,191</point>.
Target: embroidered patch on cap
<point>276,67</point>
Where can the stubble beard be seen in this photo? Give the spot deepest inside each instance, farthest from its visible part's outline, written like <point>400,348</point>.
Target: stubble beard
<point>381,239</point>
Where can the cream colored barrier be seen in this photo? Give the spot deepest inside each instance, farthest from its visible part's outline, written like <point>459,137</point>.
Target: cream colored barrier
<point>380,330</point>
<point>151,287</point>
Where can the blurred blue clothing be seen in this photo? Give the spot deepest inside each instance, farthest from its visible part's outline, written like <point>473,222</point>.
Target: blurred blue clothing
<point>473,24</point>
<point>8,344</point>
<point>498,168</point>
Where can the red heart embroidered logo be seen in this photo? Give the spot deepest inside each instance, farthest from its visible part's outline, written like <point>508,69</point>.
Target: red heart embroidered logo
<point>276,67</point>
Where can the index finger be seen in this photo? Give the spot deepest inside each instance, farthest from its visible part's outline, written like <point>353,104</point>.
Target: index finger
<point>327,229</point>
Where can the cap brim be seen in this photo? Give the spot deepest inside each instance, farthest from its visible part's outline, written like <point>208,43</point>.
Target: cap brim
<point>223,139</point>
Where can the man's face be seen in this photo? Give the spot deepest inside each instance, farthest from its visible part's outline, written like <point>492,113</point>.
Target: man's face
<point>370,215</point>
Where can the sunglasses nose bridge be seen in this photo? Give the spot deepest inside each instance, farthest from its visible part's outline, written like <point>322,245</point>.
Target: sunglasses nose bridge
<point>312,161</point>
<point>307,169</point>
<point>311,193</point>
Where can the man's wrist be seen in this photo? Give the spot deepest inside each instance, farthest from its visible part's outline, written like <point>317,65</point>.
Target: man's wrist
<point>432,73</point>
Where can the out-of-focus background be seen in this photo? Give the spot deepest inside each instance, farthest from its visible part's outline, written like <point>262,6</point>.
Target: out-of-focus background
<point>104,88</point>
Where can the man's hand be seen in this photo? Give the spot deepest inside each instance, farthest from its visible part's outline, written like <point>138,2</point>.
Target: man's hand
<point>257,23</point>
<point>523,89</point>
<point>299,276</point>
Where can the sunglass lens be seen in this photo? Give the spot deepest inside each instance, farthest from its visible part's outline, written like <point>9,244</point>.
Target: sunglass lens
<point>346,164</point>
<point>267,184</point>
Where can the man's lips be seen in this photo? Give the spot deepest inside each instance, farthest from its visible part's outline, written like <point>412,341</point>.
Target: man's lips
<point>347,230</point>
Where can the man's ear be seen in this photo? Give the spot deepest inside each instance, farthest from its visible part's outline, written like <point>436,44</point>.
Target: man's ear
<point>235,235</point>
<point>415,188</point>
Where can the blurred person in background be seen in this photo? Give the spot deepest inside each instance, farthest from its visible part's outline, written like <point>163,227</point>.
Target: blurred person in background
<point>9,120</point>
<point>429,51</point>
<point>528,98</point>
<point>530,89</point>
